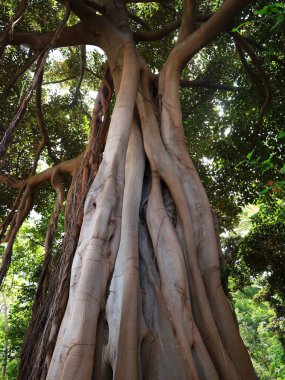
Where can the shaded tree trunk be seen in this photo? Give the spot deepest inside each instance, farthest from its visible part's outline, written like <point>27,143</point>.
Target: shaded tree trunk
<point>144,299</point>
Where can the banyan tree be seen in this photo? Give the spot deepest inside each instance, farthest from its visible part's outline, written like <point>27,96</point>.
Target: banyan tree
<point>136,291</point>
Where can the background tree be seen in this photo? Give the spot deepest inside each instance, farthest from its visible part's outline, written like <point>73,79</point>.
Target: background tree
<point>146,209</point>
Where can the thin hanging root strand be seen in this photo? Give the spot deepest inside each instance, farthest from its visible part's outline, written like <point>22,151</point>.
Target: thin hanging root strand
<point>8,30</point>
<point>7,221</point>
<point>56,182</point>
<point>6,140</point>
<point>25,207</point>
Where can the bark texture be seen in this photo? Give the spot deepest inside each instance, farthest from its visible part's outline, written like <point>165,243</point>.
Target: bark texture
<point>145,299</point>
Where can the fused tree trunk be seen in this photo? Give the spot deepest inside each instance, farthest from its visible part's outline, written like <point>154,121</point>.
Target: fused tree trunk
<point>145,299</point>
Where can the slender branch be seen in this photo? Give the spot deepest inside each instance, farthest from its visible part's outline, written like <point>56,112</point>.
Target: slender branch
<point>249,69</point>
<point>7,221</point>
<point>56,182</point>
<point>260,47</point>
<point>92,72</point>
<point>23,210</point>
<point>60,80</point>
<point>19,73</point>
<point>169,28</point>
<point>207,84</point>
<point>41,121</point>
<point>23,104</point>
<point>82,72</point>
<point>71,36</point>
<point>8,30</point>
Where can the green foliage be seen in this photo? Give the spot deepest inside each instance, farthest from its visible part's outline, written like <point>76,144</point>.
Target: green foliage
<point>21,281</point>
<point>19,288</point>
<point>256,319</point>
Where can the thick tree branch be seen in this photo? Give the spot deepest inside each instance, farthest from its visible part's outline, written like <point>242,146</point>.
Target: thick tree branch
<point>188,24</point>
<point>70,36</point>
<point>96,6</point>
<point>207,84</point>
<point>138,20</point>
<point>158,34</point>
<point>206,32</point>
<point>64,167</point>
<point>89,16</point>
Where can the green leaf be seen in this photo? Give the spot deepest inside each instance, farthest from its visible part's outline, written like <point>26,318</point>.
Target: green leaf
<point>237,28</point>
<point>281,134</point>
<point>249,155</point>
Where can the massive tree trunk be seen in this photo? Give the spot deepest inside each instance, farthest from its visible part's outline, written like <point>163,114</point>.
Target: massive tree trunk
<point>145,299</point>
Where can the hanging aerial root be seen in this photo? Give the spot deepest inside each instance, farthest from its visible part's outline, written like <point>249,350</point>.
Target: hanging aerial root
<point>45,142</point>
<point>7,221</point>
<point>8,30</point>
<point>25,206</point>
<point>81,75</point>
<point>26,99</point>
<point>25,198</point>
<point>56,182</point>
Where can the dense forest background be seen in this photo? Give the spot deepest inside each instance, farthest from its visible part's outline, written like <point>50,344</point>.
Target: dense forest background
<point>233,106</point>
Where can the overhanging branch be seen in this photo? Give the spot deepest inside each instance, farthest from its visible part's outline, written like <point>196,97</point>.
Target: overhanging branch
<point>70,36</point>
<point>188,23</point>
<point>65,167</point>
